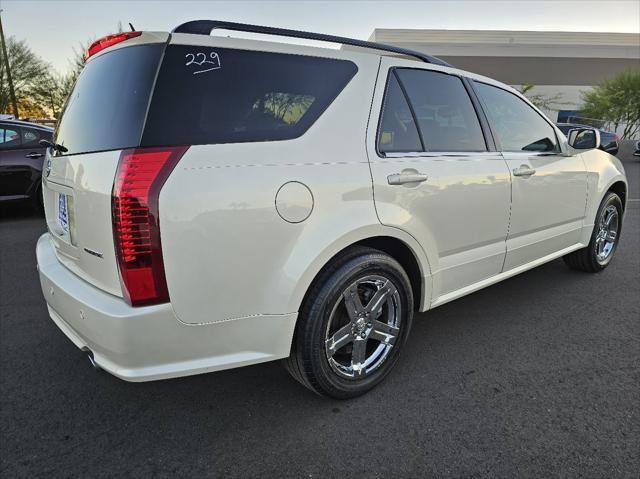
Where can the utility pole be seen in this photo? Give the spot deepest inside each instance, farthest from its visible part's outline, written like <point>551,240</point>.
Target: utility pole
<point>12,93</point>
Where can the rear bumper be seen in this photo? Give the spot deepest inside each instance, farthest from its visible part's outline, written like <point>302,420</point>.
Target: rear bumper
<point>149,343</point>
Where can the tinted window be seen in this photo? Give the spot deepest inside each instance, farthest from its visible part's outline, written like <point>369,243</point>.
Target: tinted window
<point>107,106</point>
<point>207,95</point>
<point>518,126</point>
<point>397,132</point>
<point>31,137</point>
<point>443,109</point>
<point>9,138</point>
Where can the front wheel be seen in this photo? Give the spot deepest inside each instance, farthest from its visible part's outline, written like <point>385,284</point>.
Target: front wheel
<point>353,324</point>
<point>604,239</point>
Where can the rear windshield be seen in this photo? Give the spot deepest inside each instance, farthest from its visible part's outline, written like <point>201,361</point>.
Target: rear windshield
<point>107,106</point>
<point>207,95</point>
<point>202,96</point>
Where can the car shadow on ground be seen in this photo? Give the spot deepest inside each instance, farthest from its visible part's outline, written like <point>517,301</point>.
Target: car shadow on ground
<point>19,210</point>
<point>490,364</point>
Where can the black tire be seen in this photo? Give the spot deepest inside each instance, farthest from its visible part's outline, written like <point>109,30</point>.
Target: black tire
<point>587,259</point>
<point>309,362</point>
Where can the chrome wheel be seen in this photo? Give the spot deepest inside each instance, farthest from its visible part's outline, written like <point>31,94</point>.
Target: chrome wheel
<point>363,327</point>
<point>607,235</point>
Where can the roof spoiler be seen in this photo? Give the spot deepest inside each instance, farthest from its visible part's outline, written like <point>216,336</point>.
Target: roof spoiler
<point>205,27</point>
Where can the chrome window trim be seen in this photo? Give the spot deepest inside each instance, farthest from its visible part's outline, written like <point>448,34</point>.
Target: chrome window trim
<point>438,154</point>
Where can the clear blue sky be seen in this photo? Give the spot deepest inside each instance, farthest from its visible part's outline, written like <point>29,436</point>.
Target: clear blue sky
<point>53,28</point>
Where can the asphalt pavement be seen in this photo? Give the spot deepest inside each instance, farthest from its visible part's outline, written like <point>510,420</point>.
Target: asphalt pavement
<point>538,376</point>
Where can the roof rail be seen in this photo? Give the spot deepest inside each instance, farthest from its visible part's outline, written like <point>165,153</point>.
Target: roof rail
<point>205,27</point>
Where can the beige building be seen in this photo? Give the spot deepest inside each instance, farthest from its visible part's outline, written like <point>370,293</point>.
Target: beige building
<point>560,64</point>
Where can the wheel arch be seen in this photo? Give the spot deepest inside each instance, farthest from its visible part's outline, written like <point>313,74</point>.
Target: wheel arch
<point>619,188</point>
<point>401,252</point>
<point>616,184</point>
<point>605,173</point>
<point>405,251</point>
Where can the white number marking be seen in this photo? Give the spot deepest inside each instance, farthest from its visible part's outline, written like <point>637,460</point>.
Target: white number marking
<point>201,59</point>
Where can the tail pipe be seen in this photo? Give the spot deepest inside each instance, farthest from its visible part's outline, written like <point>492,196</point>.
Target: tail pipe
<point>92,360</point>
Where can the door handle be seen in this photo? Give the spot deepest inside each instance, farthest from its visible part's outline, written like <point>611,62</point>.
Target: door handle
<point>34,155</point>
<point>524,170</point>
<point>411,176</point>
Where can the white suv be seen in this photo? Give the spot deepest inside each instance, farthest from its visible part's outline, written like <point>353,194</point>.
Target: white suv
<point>214,202</point>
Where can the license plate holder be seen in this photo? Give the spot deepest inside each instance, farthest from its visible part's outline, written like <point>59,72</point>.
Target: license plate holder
<point>63,216</point>
<point>63,212</point>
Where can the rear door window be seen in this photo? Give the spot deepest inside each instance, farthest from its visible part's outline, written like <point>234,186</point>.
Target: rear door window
<point>444,112</point>
<point>397,132</point>
<point>207,95</point>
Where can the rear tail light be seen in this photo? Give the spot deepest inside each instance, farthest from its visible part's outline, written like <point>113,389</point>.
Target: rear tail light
<point>136,229</point>
<point>106,42</point>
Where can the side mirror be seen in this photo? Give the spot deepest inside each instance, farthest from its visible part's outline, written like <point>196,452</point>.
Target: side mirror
<point>584,138</point>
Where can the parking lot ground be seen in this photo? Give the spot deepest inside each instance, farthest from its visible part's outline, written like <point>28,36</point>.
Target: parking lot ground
<point>535,376</point>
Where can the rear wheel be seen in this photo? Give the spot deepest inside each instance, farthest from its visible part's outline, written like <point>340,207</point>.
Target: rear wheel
<point>604,239</point>
<point>353,324</point>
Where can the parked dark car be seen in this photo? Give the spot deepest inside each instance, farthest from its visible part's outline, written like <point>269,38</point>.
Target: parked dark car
<point>21,158</point>
<point>608,140</point>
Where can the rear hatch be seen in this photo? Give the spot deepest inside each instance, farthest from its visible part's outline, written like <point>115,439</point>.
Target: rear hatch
<point>104,114</point>
<point>136,108</point>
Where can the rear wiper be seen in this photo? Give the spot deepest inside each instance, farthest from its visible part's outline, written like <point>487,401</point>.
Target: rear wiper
<point>55,146</point>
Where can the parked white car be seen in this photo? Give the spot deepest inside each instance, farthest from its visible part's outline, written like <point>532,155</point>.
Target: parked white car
<point>214,202</point>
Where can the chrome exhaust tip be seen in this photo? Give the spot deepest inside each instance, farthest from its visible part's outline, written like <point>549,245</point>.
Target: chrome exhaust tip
<point>92,360</point>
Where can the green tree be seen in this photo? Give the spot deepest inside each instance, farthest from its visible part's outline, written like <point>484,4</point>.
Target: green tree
<point>55,88</point>
<point>616,100</point>
<point>52,91</point>
<point>48,93</point>
<point>28,71</point>
<point>40,90</point>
